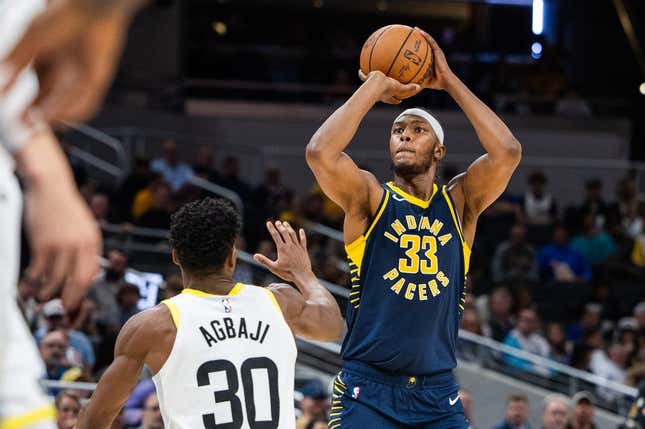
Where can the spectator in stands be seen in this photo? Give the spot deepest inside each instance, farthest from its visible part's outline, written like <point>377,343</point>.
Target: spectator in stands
<point>517,413</point>
<point>589,322</point>
<point>594,243</point>
<point>230,178</point>
<point>501,320</point>
<point>268,194</point>
<point>204,164</point>
<point>470,322</point>
<point>639,315</point>
<point>556,412</point>
<point>151,418</point>
<point>467,401</point>
<point>593,204</point>
<point>128,297</point>
<point>515,259</point>
<point>526,337</point>
<point>611,366</point>
<point>559,262</point>
<point>583,411</point>
<point>314,404</point>
<point>133,408</point>
<point>175,172</point>
<point>137,180</point>
<point>629,206</point>
<point>57,320</point>
<point>53,351</point>
<point>100,206</point>
<point>68,405</point>
<point>539,206</point>
<point>158,215</point>
<point>103,291</point>
<point>143,199</point>
<point>557,343</point>
<point>313,208</point>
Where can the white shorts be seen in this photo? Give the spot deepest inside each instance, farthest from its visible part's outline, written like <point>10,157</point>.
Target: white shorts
<point>23,403</point>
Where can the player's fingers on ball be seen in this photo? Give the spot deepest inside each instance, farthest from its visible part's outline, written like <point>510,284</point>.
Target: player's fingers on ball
<point>362,76</point>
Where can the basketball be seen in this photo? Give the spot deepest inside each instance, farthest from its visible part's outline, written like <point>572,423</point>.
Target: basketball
<point>400,52</point>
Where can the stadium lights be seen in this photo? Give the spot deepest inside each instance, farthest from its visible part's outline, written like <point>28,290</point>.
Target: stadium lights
<point>538,17</point>
<point>642,88</point>
<point>536,50</point>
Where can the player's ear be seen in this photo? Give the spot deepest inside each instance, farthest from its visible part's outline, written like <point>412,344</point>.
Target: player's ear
<point>439,152</point>
<point>175,260</point>
<point>231,260</point>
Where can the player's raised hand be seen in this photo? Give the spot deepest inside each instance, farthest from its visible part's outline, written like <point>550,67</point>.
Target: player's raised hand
<point>441,72</point>
<point>74,46</point>
<point>393,90</point>
<point>293,259</point>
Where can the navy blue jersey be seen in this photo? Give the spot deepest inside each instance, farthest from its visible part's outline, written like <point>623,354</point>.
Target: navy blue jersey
<point>407,292</point>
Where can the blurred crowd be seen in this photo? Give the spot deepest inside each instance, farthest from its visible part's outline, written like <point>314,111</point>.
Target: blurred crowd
<point>564,283</point>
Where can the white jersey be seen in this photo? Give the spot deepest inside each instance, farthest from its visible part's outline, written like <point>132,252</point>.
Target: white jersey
<point>232,363</point>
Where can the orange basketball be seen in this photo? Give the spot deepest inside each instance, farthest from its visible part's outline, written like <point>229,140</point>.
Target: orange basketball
<point>400,52</point>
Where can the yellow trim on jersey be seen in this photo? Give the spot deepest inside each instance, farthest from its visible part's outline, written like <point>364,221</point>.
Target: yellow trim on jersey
<point>465,247</point>
<point>174,311</point>
<point>234,291</point>
<point>356,249</point>
<point>273,300</point>
<point>18,422</point>
<point>411,198</point>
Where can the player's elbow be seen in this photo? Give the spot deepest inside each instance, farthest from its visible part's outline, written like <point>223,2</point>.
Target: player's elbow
<point>512,152</point>
<point>313,152</point>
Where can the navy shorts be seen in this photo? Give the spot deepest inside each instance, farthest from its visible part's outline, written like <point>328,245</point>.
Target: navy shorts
<point>365,397</point>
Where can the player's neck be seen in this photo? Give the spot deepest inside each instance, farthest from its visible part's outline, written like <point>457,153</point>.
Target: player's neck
<point>420,186</point>
<point>215,284</point>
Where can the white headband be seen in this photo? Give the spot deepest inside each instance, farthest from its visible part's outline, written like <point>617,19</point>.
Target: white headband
<point>436,126</point>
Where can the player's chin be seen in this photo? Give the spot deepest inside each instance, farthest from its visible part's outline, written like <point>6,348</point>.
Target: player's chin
<point>406,168</point>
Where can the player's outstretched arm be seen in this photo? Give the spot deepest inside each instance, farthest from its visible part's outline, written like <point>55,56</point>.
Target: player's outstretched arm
<point>487,177</point>
<point>311,311</point>
<point>133,346</point>
<point>355,190</point>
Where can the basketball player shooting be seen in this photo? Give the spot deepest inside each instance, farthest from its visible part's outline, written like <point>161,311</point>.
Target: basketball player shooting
<point>222,354</point>
<point>408,244</point>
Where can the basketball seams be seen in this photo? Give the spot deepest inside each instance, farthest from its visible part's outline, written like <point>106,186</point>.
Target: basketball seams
<point>399,52</point>
<point>422,64</point>
<point>369,63</point>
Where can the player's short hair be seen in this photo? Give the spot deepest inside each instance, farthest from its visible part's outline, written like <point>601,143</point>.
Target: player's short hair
<point>202,234</point>
<point>517,397</point>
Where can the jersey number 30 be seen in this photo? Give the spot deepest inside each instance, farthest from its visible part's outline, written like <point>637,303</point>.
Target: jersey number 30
<point>413,263</point>
<point>230,394</point>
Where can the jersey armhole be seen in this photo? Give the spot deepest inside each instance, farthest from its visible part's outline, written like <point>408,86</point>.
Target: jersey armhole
<point>174,311</point>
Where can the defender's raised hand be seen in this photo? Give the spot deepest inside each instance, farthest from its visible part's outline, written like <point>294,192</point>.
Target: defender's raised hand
<point>293,259</point>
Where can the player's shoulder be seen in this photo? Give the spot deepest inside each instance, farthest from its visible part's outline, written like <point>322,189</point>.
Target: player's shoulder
<point>288,298</point>
<point>148,325</point>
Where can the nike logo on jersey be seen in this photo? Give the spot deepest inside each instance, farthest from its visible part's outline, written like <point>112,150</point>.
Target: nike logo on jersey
<point>398,197</point>
<point>453,401</point>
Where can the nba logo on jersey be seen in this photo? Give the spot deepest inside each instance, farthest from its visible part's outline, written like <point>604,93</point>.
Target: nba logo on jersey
<point>357,391</point>
<point>227,305</point>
